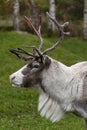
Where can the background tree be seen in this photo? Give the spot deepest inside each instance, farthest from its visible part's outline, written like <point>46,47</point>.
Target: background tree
<point>85,20</point>
<point>16,9</point>
<point>71,10</point>
<point>52,11</point>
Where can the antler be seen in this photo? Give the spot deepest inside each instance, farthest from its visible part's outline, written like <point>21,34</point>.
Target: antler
<point>38,32</point>
<point>62,33</point>
<point>40,54</point>
<point>21,51</point>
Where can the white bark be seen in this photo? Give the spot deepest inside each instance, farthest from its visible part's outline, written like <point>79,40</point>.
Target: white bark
<point>52,13</point>
<point>16,15</point>
<point>85,20</point>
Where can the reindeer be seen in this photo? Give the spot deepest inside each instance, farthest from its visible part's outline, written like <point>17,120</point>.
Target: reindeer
<point>62,88</point>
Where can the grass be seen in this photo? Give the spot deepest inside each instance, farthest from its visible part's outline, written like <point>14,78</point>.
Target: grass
<point>18,107</point>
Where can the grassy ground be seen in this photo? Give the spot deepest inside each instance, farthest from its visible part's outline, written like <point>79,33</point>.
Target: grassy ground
<point>18,107</point>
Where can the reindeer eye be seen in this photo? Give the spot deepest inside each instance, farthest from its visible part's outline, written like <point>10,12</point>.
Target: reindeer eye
<point>36,66</point>
<point>33,65</point>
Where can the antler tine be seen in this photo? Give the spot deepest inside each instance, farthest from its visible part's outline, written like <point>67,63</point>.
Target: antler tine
<point>25,52</point>
<point>36,49</point>
<point>41,39</point>
<point>53,47</point>
<point>61,28</point>
<point>15,52</point>
<point>18,51</point>
<point>38,32</point>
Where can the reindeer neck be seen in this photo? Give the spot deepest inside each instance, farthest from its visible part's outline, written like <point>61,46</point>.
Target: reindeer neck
<point>55,77</point>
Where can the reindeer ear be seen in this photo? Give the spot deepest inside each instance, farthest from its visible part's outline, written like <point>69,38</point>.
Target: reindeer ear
<point>47,61</point>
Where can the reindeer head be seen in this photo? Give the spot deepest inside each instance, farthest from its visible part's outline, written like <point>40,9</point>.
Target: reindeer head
<point>31,74</point>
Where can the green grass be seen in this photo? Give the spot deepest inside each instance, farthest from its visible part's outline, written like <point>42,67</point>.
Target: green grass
<point>18,107</point>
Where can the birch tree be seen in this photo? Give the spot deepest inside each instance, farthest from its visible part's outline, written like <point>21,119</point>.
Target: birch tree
<point>16,15</point>
<point>52,10</point>
<point>85,20</point>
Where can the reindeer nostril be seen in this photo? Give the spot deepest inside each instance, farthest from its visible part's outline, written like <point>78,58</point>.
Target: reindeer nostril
<point>12,78</point>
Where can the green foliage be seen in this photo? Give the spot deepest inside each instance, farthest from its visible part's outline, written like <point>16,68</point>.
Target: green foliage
<point>66,10</point>
<point>64,1</point>
<point>43,5</point>
<point>72,9</point>
<point>18,106</point>
<point>6,8</point>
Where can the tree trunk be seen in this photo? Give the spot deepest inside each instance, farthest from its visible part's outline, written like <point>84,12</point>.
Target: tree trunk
<point>52,11</point>
<point>85,20</point>
<point>34,13</point>
<point>16,15</point>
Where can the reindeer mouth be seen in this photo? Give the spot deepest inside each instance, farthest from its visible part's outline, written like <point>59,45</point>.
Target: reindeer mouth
<point>19,85</point>
<point>16,85</point>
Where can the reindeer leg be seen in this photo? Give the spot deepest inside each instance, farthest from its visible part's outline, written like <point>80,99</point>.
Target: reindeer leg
<point>81,110</point>
<point>86,124</point>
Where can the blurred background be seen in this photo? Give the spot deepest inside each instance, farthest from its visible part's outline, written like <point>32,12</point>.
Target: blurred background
<point>12,14</point>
